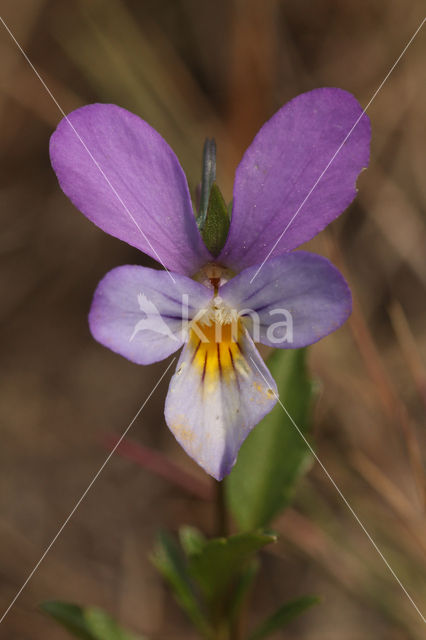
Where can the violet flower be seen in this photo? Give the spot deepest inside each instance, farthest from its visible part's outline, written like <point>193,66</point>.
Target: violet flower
<point>126,179</point>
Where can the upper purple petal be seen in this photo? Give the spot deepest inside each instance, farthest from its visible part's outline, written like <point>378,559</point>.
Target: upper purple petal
<point>138,312</point>
<point>127,180</point>
<point>280,194</point>
<point>294,300</point>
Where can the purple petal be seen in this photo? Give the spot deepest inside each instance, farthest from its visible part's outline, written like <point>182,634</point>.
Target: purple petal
<point>272,199</point>
<point>294,300</point>
<point>126,179</point>
<point>212,405</point>
<point>137,312</point>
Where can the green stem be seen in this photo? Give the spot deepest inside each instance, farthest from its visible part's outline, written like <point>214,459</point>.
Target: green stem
<point>223,629</point>
<point>222,522</point>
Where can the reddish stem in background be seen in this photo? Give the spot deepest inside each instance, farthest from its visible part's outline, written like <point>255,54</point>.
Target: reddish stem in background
<point>162,466</point>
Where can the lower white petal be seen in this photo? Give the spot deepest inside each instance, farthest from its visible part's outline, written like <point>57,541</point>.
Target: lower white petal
<point>219,392</point>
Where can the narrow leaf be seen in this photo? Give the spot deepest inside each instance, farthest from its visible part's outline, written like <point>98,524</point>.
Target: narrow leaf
<point>242,589</point>
<point>274,455</point>
<point>285,614</point>
<point>70,616</point>
<point>87,623</point>
<point>192,540</point>
<point>171,563</point>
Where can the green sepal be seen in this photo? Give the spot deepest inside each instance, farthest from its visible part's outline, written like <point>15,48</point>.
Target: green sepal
<point>274,455</point>
<point>208,177</point>
<point>229,208</point>
<point>283,616</point>
<point>87,623</point>
<point>216,226</point>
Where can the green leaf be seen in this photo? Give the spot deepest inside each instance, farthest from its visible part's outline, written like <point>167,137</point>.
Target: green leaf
<point>242,588</point>
<point>88,623</point>
<point>220,561</point>
<point>285,614</point>
<point>216,225</point>
<point>274,454</point>
<point>192,540</point>
<point>171,563</point>
<point>71,616</point>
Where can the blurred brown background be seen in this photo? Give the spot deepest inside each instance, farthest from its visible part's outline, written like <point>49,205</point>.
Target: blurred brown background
<point>195,69</point>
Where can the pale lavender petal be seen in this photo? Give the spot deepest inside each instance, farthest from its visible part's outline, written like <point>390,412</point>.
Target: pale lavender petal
<point>212,405</point>
<point>294,300</point>
<point>137,312</point>
<point>283,164</point>
<point>126,179</point>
